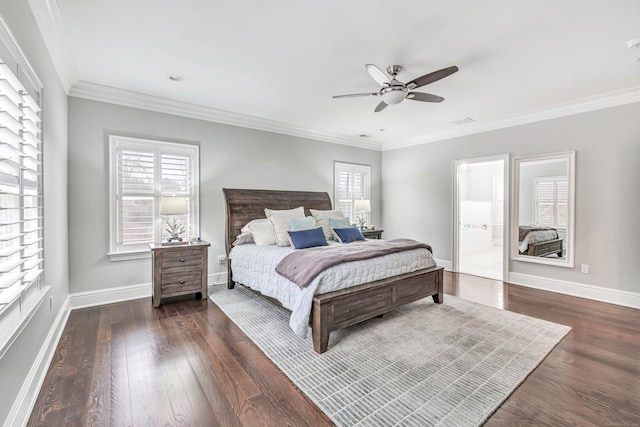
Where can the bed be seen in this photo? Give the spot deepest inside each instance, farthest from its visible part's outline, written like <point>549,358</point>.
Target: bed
<point>341,308</point>
<point>539,241</point>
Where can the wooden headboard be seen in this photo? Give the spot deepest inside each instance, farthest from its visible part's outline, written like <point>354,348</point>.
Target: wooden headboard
<point>245,205</point>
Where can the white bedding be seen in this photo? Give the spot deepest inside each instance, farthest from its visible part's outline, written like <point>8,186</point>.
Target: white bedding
<point>255,267</point>
<point>536,236</point>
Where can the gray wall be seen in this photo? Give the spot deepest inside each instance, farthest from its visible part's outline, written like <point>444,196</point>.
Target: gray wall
<point>230,156</point>
<point>15,364</point>
<point>417,186</point>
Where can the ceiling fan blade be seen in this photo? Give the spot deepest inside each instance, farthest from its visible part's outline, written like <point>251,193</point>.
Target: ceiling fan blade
<point>424,97</point>
<point>353,95</point>
<point>377,74</point>
<point>381,106</point>
<point>431,77</point>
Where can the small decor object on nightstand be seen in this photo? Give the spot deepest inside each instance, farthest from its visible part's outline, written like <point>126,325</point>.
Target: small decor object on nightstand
<point>362,206</point>
<point>174,206</point>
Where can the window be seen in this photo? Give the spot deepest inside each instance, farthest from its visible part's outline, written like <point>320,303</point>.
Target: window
<point>21,201</point>
<point>552,197</point>
<point>351,182</point>
<point>142,172</point>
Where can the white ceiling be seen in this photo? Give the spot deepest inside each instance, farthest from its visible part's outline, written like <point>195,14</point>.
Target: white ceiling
<point>282,60</point>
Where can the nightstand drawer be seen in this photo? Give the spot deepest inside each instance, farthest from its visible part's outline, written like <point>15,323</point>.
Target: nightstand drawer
<point>181,259</point>
<point>181,282</point>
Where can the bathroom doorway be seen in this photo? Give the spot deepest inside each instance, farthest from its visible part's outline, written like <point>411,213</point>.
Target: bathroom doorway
<point>481,223</point>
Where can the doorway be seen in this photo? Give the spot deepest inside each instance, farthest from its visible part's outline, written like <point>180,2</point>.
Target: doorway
<point>481,206</point>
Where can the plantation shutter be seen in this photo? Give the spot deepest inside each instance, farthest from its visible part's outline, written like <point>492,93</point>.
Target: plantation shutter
<point>352,182</point>
<point>21,201</point>
<point>176,181</point>
<point>552,198</point>
<point>136,196</point>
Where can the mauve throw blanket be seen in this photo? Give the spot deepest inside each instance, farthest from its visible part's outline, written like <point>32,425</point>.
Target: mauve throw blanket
<point>303,265</point>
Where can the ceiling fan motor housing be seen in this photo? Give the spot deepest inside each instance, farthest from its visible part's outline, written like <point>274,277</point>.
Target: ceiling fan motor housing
<point>394,94</point>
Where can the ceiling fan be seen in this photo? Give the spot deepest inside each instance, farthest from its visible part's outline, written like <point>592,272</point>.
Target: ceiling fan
<point>394,91</point>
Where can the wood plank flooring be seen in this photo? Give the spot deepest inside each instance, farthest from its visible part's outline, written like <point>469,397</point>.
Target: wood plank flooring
<point>187,364</point>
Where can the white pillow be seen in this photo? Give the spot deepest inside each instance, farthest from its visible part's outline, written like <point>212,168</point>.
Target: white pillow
<point>280,222</point>
<point>243,238</point>
<point>322,219</point>
<point>262,232</point>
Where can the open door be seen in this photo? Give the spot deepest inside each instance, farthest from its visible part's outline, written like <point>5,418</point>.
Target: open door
<point>481,241</point>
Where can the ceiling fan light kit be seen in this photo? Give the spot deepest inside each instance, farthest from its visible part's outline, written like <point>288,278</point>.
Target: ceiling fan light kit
<point>394,91</point>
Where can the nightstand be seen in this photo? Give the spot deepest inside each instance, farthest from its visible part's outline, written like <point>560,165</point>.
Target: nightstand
<point>179,270</point>
<point>372,234</point>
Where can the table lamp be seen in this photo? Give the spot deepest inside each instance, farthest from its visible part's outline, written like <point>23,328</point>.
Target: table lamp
<point>362,205</point>
<point>174,206</point>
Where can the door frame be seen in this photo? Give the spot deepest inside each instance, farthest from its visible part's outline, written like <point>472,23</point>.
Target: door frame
<point>506,235</point>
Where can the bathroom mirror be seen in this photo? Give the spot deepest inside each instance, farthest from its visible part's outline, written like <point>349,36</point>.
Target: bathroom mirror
<point>543,209</point>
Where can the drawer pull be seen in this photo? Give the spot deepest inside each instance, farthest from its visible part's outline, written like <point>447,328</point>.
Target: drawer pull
<point>181,259</point>
<point>182,282</point>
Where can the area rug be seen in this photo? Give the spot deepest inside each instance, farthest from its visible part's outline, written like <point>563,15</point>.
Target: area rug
<point>425,364</point>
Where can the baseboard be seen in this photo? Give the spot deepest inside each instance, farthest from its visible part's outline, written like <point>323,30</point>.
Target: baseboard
<point>109,295</point>
<point>597,293</point>
<point>126,293</point>
<point>448,266</point>
<point>217,278</point>
<point>23,405</point>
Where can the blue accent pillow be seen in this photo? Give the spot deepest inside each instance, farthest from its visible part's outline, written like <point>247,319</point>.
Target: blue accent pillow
<point>348,234</point>
<point>301,223</point>
<point>339,222</point>
<point>310,238</point>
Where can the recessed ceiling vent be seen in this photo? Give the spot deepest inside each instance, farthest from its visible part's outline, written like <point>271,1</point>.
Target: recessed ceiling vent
<point>464,121</point>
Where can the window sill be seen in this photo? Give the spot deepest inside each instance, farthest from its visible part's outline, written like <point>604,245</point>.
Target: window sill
<point>128,256</point>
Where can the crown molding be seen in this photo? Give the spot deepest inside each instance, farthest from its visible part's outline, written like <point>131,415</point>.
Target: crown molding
<point>583,105</point>
<point>96,92</point>
<point>49,23</point>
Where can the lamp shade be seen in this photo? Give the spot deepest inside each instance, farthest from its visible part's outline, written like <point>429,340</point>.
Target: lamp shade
<point>173,205</point>
<point>362,205</point>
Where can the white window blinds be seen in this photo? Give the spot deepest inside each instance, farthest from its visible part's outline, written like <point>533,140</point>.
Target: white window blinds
<point>142,172</point>
<point>21,201</point>
<point>351,182</point>
<point>552,197</point>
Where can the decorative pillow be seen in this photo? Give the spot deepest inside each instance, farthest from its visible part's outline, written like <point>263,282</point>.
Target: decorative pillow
<point>262,232</point>
<point>339,222</point>
<point>348,235</point>
<point>280,221</point>
<point>243,238</point>
<point>322,219</point>
<point>310,238</point>
<point>301,223</point>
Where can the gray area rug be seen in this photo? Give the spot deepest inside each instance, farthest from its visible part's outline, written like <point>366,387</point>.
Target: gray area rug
<point>425,364</point>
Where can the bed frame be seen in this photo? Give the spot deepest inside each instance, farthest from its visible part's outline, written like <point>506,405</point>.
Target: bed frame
<point>545,248</point>
<point>338,309</point>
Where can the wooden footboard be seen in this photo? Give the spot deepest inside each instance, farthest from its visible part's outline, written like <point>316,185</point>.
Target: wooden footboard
<point>545,248</point>
<point>346,307</point>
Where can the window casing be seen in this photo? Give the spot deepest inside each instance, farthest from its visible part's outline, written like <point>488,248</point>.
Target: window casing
<point>141,173</point>
<point>552,201</point>
<point>351,182</point>
<point>21,198</point>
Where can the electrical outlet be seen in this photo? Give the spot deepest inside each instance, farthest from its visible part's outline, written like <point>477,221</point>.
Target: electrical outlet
<point>584,268</point>
<point>222,259</point>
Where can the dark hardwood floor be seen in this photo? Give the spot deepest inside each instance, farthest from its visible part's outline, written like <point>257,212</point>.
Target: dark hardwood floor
<point>186,363</point>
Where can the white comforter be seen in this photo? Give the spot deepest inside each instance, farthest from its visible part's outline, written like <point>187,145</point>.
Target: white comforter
<point>255,267</point>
